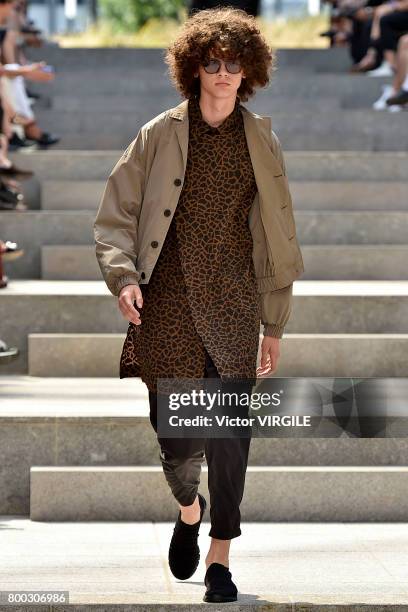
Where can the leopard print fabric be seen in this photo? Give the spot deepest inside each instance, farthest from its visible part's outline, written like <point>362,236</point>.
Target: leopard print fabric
<point>203,290</point>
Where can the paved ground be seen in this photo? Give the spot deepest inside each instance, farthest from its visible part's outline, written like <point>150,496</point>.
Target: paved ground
<point>118,563</point>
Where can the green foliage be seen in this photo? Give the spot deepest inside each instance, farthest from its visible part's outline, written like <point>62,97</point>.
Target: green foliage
<point>131,15</point>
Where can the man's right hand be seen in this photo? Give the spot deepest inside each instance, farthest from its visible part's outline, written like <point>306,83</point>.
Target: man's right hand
<point>126,297</point>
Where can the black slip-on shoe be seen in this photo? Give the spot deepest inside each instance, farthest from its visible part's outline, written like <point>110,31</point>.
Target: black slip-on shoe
<point>400,98</point>
<point>15,142</point>
<point>220,587</point>
<point>184,553</point>
<point>46,139</point>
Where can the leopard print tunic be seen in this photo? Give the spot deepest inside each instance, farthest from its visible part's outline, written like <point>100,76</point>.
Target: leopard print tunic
<point>203,292</point>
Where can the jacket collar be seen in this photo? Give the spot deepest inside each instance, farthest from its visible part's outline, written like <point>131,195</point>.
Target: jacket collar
<point>257,131</point>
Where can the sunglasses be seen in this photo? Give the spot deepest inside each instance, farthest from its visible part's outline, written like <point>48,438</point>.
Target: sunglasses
<point>214,65</point>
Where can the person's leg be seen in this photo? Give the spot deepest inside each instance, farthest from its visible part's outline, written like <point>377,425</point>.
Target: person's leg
<point>27,118</point>
<point>4,161</point>
<point>182,459</point>
<point>22,103</point>
<point>402,63</point>
<point>359,40</point>
<point>373,55</point>
<point>392,27</point>
<point>227,460</point>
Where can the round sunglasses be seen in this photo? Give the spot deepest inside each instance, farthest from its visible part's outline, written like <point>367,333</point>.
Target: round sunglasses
<point>214,65</point>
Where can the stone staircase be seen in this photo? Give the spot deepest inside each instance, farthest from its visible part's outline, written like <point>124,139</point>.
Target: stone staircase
<point>75,441</point>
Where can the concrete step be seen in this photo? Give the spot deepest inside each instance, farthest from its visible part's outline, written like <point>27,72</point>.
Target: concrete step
<point>77,262</point>
<point>365,130</point>
<point>345,227</point>
<point>156,83</point>
<point>88,307</point>
<point>280,101</point>
<point>283,493</point>
<point>35,229</point>
<point>337,355</point>
<point>31,306</point>
<point>124,566</point>
<point>334,91</point>
<point>67,165</point>
<point>288,91</point>
<point>32,189</point>
<point>322,262</point>
<point>340,95</point>
<point>67,409</point>
<point>53,239</point>
<point>148,59</point>
<point>319,227</point>
<point>355,262</point>
<point>70,195</point>
<point>389,166</point>
<point>351,195</point>
<point>165,99</point>
<point>306,195</point>
<point>105,422</point>
<point>74,355</point>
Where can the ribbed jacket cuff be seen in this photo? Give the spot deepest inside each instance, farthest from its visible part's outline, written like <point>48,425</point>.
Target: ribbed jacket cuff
<point>274,330</point>
<point>122,281</point>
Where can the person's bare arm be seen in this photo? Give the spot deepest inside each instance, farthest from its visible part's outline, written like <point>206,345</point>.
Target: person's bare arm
<point>401,5</point>
<point>33,72</point>
<point>8,48</point>
<point>390,7</point>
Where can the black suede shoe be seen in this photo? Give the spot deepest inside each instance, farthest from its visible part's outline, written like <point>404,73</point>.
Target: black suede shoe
<point>400,98</point>
<point>15,142</point>
<point>220,587</point>
<point>46,139</point>
<point>184,553</point>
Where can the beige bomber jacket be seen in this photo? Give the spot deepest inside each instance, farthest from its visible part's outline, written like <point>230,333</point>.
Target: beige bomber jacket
<point>142,192</point>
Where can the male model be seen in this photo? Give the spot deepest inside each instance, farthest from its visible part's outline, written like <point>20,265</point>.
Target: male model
<point>196,228</point>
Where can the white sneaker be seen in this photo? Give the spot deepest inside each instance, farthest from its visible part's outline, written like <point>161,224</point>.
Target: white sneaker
<point>385,70</point>
<point>380,104</point>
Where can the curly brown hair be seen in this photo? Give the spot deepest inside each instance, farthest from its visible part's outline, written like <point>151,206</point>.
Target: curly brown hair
<point>230,33</point>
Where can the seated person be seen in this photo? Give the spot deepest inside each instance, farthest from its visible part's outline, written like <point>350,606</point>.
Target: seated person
<point>15,74</point>
<point>389,23</point>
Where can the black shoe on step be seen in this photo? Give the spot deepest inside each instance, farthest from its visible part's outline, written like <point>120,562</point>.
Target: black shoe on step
<point>46,139</point>
<point>9,197</point>
<point>15,142</point>
<point>399,98</point>
<point>184,553</point>
<point>220,587</point>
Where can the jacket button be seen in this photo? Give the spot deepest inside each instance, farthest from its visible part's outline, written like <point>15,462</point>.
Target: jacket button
<point>143,275</point>
<point>154,243</point>
<point>167,212</point>
<point>177,181</point>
